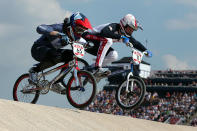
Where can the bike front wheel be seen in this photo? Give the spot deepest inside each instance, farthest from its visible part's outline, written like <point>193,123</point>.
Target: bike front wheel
<point>81,64</point>
<point>23,91</point>
<point>134,96</point>
<point>81,96</point>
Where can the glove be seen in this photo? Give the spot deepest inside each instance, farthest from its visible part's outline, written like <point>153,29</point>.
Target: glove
<point>125,39</point>
<point>60,35</point>
<point>64,38</point>
<point>149,54</point>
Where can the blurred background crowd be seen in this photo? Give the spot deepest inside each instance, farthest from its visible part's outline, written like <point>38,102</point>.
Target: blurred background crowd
<point>169,106</point>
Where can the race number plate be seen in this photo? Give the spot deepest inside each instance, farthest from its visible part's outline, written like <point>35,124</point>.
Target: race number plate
<point>78,50</point>
<point>137,56</point>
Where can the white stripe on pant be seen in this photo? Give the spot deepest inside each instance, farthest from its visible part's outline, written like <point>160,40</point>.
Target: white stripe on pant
<point>103,48</point>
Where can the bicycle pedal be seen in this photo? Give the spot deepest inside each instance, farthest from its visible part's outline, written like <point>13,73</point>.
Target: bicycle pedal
<point>32,83</point>
<point>63,92</point>
<point>81,89</point>
<point>107,73</point>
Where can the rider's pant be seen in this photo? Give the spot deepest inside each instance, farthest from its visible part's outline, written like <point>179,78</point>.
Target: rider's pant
<point>49,57</point>
<point>103,48</point>
<point>110,57</point>
<point>111,54</point>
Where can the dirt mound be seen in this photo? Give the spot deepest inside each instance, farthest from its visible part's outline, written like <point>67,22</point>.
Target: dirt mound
<point>17,116</point>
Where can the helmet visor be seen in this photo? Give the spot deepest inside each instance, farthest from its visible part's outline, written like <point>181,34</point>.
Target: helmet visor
<point>136,26</point>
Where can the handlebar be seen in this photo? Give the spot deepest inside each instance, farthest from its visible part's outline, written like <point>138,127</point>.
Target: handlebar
<point>129,44</point>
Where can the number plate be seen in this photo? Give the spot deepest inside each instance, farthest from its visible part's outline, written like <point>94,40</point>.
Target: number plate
<point>137,56</point>
<point>78,50</point>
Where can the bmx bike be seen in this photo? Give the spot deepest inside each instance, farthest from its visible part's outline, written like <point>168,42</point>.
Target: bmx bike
<point>80,88</point>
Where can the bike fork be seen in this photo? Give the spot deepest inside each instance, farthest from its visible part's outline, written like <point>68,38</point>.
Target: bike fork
<point>128,77</point>
<point>76,78</point>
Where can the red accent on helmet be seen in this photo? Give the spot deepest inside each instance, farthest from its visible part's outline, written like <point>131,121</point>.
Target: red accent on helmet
<point>83,23</point>
<point>135,24</point>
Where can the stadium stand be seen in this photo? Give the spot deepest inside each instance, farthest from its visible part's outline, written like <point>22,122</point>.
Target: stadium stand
<point>171,97</point>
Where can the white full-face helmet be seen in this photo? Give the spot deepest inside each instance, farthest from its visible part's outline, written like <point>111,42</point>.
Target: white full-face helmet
<point>129,20</point>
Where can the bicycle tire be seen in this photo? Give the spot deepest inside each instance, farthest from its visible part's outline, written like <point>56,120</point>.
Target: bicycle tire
<point>16,91</point>
<point>141,97</point>
<point>82,94</point>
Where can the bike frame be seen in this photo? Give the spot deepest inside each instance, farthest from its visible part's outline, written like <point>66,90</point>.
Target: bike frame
<point>78,52</point>
<point>69,66</point>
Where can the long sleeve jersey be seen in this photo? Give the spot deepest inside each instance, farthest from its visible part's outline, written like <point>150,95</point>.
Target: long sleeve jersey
<point>46,38</point>
<point>111,30</point>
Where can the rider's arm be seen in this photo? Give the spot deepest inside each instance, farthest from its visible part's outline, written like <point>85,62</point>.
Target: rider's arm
<point>110,31</point>
<point>88,36</point>
<point>49,29</point>
<point>137,44</point>
<point>102,32</point>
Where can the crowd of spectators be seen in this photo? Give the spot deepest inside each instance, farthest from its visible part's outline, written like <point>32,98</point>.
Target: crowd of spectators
<point>174,107</point>
<point>166,83</point>
<point>165,78</point>
<point>174,73</point>
<point>193,122</point>
<point>172,78</point>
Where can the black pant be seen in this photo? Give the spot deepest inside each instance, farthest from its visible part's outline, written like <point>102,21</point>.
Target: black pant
<point>49,56</point>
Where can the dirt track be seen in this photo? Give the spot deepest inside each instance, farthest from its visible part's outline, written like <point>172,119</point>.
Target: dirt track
<point>17,116</point>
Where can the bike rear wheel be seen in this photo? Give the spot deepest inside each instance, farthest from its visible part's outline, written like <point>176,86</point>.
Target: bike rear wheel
<point>80,97</point>
<point>23,91</point>
<point>132,98</point>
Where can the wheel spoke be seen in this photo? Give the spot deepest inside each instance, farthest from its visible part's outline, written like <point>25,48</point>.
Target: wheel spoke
<point>133,97</point>
<point>85,93</point>
<point>25,92</point>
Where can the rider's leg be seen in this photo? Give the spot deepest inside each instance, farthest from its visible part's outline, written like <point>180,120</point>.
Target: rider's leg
<point>110,57</point>
<point>66,56</point>
<point>52,58</point>
<point>38,52</point>
<point>47,57</point>
<point>102,51</point>
<point>93,51</point>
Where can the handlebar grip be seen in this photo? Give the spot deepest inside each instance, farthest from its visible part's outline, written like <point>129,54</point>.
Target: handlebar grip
<point>129,44</point>
<point>146,53</point>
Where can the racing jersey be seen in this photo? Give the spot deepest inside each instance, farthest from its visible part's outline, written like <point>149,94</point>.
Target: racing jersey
<point>109,30</point>
<point>46,38</point>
